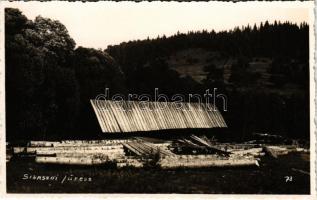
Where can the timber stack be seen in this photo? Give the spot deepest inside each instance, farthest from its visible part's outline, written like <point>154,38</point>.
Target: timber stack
<point>189,151</point>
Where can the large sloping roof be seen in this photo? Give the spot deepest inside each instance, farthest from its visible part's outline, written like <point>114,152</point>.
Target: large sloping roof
<point>133,116</point>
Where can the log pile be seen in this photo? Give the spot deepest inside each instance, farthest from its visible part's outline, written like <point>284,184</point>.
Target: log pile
<point>70,160</point>
<point>137,151</point>
<point>64,143</point>
<point>205,161</point>
<point>74,152</point>
<point>276,151</point>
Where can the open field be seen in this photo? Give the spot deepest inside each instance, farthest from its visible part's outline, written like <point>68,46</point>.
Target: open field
<point>269,178</point>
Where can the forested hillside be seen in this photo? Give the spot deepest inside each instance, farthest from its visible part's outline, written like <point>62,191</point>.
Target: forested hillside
<point>262,69</point>
<point>286,46</point>
<point>49,82</point>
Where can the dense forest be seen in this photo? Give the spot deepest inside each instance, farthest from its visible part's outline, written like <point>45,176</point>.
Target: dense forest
<point>263,69</point>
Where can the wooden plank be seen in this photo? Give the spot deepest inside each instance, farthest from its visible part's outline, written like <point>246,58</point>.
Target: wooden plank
<point>159,119</point>
<point>127,111</point>
<point>172,116</point>
<point>179,116</point>
<point>187,119</point>
<point>195,116</point>
<point>108,123</point>
<point>133,148</point>
<point>139,116</point>
<point>110,115</point>
<point>198,163</point>
<point>120,118</point>
<point>149,116</point>
<point>98,115</point>
<point>201,115</point>
<point>134,117</point>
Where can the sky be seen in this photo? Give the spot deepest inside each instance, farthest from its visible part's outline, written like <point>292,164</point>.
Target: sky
<point>99,24</point>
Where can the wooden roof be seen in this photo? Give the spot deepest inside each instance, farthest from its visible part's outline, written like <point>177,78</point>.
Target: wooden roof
<point>133,116</point>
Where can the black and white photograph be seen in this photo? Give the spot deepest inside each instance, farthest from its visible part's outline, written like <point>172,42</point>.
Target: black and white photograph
<point>158,98</point>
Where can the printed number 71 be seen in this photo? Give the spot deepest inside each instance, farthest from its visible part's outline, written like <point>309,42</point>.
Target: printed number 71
<point>288,179</point>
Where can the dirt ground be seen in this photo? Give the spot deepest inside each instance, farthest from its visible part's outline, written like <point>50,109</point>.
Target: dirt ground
<point>285,175</point>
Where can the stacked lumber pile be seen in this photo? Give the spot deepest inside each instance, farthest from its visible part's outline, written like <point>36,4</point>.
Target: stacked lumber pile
<point>200,145</point>
<point>137,152</point>
<point>199,151</point>
<point>95,152</point>
<point>233,146</point>
<point>249,152</point>
<point>75,152</point>
<point>141,148</point>
<point>204,161</point>
<point>275,151</point>
<point>76,143</point>
<point>70,160</point>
